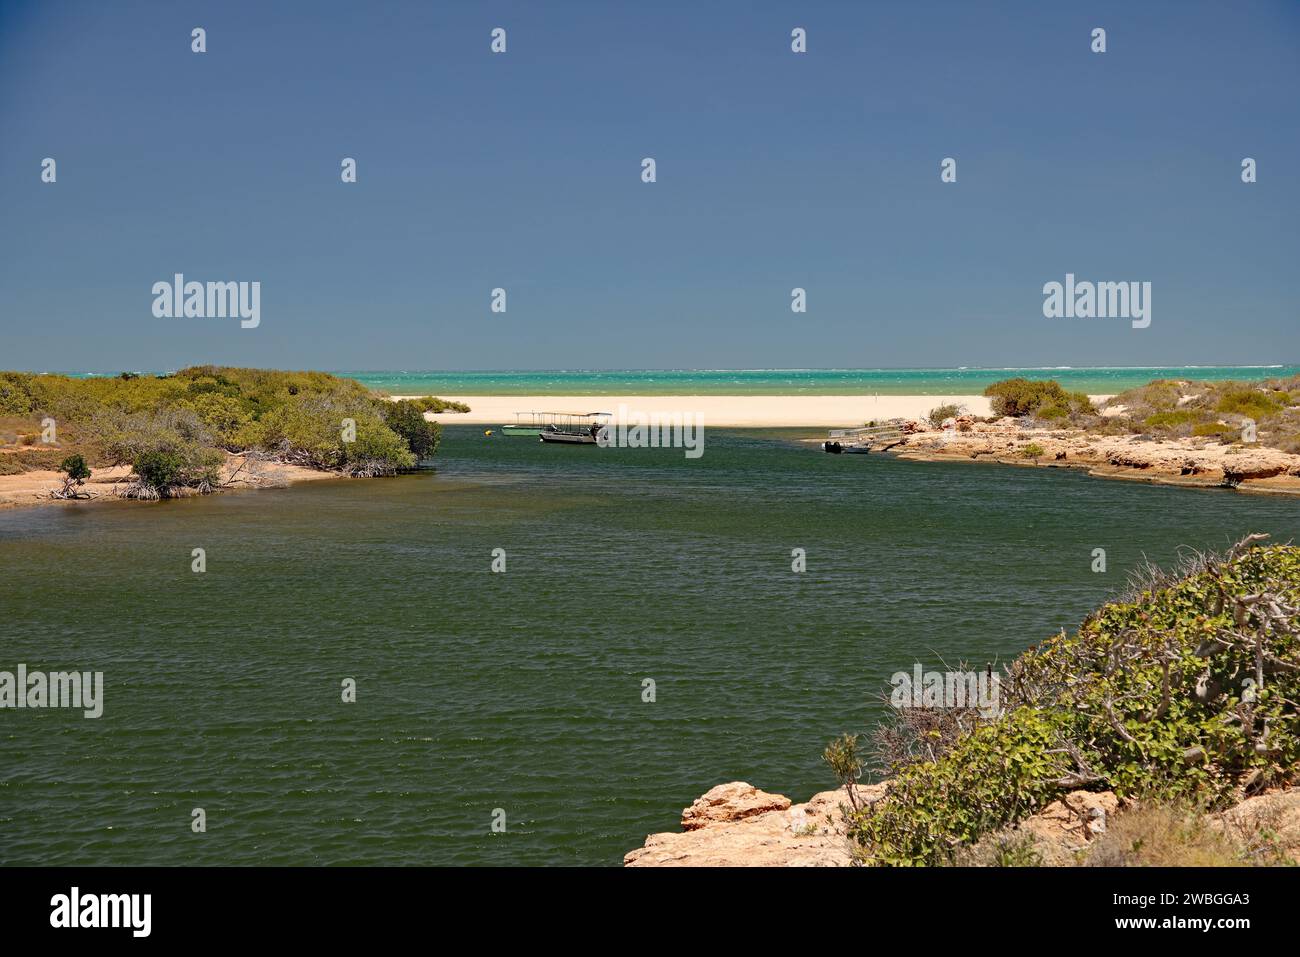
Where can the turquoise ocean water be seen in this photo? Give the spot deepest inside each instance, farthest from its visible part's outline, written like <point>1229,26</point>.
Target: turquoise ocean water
<point>780,381</point>
<point>787,381</point>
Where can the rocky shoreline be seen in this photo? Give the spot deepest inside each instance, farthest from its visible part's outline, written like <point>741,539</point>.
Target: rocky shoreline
<point>738,825</point>
<point>1186,462</point>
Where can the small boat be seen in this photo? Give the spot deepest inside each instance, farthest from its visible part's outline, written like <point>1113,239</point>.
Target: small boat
<point>838,448</point>
<point>534,423</point>
<point>571,438</point>
<point>574,428</point>
<point>862,441</point>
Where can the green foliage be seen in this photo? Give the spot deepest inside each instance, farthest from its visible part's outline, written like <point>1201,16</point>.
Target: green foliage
<point>431,403</point>
<point>406,418</point>
<point>1032,451</point>
<point>1169,420</point>
<point>75,468</point>
<point>1020,396</point>
<point>1252,402</point>
<point>941,412</point>
<point>169,451</point>
<point>1080,403</point>
<point>160,468</point>
<point>229,419</point>
<point>1157,697</point>
<point>175,426</point>
<point>1160,394</point>
<point>15,395</point>
<point>314,430</point>
<point>841,755</point>
<point>32,460</point>
<point>1217,430</point>
<point>378,450</point>
<point>1016,851</point>
<point>1005,849</point>
<point>1197,408</point>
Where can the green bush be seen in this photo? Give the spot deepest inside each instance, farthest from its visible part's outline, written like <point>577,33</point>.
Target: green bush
<point>75,468</point>
<point>1217,430</point>
<point>407,420</point>
<point>1169,420</point>
<point>431,403</point>
<point>15,393</point>
<point>312,430</point>
<point>1081,404</point>
<point>1186,691</point>
<point>941,412</point>
<point>160,468</point>
<point>378,450</point>
<point>228,419</point>
<point>1020,396</point>
<point>1251,402</point>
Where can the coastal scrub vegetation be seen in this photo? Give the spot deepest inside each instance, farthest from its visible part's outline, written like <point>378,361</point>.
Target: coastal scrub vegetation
<point>1043,398</point>
<point>75,472</point>
<point>1221,411</point>
<point>1225,412</point>
<point>174,431</point>
<point>941,413</point>
<point>1184,691</point>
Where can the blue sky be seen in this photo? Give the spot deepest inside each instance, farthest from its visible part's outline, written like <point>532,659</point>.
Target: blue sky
<point>522,170</point>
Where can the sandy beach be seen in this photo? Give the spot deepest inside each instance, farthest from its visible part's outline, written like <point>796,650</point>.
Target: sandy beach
<point>733,411</point>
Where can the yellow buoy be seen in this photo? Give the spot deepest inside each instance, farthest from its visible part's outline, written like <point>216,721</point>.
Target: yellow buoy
<point>487,431</point>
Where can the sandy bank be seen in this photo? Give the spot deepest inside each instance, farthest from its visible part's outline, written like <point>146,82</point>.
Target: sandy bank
<point>724,411</point>
<point>33,488</point>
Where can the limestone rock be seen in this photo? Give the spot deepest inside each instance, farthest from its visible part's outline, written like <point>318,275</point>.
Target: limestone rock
<point>731,802</point>
<point>784,835</point>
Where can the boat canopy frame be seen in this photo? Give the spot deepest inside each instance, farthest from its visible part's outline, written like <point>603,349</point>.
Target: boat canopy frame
<point>564,421</point>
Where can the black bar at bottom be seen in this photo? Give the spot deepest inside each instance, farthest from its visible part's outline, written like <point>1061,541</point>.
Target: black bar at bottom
<point>332,906</point>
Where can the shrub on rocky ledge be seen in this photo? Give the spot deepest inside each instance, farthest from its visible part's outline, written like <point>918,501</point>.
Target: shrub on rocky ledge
<point>1186,690</point>
<point>1043,398</point>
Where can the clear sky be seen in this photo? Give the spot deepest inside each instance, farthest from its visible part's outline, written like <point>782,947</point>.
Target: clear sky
<point>523,170</point>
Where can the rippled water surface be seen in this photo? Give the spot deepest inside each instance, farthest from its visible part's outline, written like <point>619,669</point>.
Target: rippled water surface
<point>522,691</point>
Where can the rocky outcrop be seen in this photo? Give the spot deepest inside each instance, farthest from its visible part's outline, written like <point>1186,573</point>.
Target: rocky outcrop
<point>1183,461</point>
<point>1061,830</point>
<point>1068,825</point>
<point>729,803</point>
<point>737,825</point>
<point>1272,818</point>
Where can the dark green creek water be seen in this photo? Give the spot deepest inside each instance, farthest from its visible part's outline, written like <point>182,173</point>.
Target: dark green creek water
<point>523,691</point>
